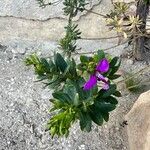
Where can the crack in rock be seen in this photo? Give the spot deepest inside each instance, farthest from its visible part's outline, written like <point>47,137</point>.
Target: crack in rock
<point>35,13</point>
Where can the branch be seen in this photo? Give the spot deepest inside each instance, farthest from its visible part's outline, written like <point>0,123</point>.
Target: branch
<point>105,49</point>
<point>102,15</point>
<point>137,85</point>
<point>43,4</point>
<point>114,37</point>
<point>100,38</point>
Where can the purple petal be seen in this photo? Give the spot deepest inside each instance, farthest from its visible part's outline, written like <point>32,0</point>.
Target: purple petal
<point>103,65</point>
<point>90,83</point>
<point>105,86</point>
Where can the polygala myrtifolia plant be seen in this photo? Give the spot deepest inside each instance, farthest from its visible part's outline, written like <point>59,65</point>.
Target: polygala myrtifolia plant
<point>75,97</point>
<point>83,91</point>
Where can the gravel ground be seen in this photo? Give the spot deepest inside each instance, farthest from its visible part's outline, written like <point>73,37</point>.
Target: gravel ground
<point>24,108</point>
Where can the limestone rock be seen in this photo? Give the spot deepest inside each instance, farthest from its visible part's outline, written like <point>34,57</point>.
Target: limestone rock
<point>91,25</point>
<point>30,9</point>
<point>127,1</point>
<point>138,128</point>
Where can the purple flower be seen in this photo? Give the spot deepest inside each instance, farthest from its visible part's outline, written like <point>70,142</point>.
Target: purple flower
<point>102,67</point>
<point>90,83</point>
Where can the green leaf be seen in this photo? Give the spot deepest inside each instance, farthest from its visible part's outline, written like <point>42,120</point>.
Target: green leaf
<point>105,116</point>
<point>43,4</point>
<point>85,121</point>
<point>81,82</point>
<point>60,123</point>
<point>51,63</point>
<point>111,100</point>
<point>76,100</point>
<point>113,70</point>
<point>53,131</point>
<point>93,91</point>
<point>96,115</point>
<point>147,2</point>
<point>100,55</point>
<point>84,59</point>
<point>55,82</point>
<point>60,62</point>
<point>106,93</point>
<point>117,94</point>
<point>72,68</point>
<point>63,97</point>
<point>46,65</point>
<point>32,60</point>
<point>83,95</point>
<point>115,76</point>
<point>57,105</point>
<point>114,62</point>
<point>104,107</point>
<point>114,65</point>
<point>70,90</point>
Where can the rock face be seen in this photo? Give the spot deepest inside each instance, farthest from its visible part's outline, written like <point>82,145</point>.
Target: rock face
<point>30,9</point>
<point>138,128</point>
<point>36,23</point>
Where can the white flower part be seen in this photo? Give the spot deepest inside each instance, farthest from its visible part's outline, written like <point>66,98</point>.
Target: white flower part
<point>99,76</point>
<point>105,86</point>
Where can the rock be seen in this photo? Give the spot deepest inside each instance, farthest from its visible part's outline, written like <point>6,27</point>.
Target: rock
<point>127,1</point>
<point>3,48</point>
<point>130,62</point>
<point>14,28</point>
<point>138,128</point>
<point>30,9</point>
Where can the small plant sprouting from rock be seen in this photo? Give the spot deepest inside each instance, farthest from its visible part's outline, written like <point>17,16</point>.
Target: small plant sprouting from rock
<point>132,84</point>
<point>68,43</point>
<point>135,82</point>
<point>83,91</point>
<point>43,4</point>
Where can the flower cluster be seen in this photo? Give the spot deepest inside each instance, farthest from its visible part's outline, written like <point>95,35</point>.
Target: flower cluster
<point>102,67</point>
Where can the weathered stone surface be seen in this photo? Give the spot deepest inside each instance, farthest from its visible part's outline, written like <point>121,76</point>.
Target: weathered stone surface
<point>47,47</point>
<point>139,123</point>
<point>91,25</point>
<point>127,1</point>
<point>30,9</point>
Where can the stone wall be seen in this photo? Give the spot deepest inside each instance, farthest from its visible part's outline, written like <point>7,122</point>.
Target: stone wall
<point>26,20</point>
<point>26,23</point>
